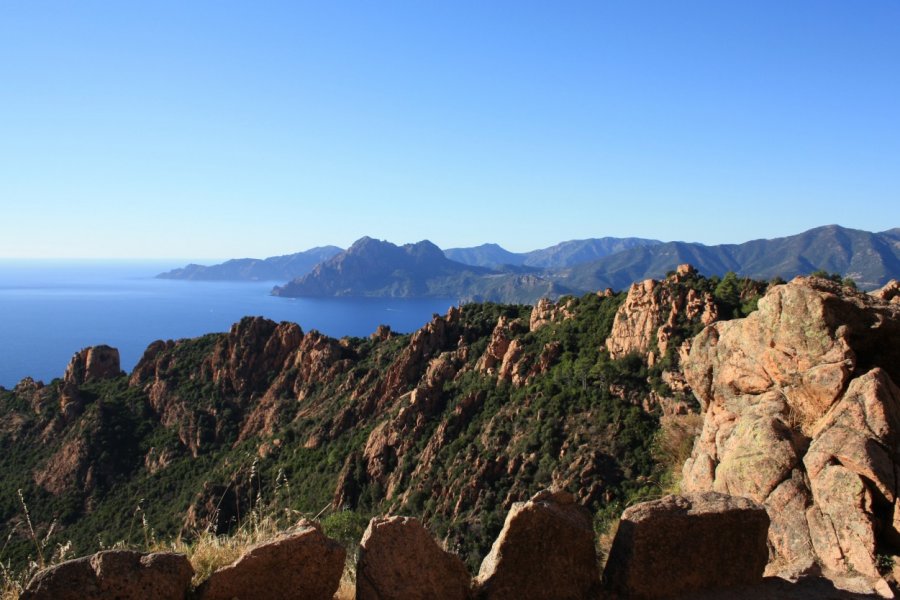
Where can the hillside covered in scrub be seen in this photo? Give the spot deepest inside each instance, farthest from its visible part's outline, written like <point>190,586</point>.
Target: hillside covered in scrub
<point>482,407</point>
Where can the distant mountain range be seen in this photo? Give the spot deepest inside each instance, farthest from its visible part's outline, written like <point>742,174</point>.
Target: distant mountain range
<point>377,268</point>
<point>275,268</point>
<point>565,254</point>
<point>291,266</point>
<point>871,259</point>
<point>489,272</point>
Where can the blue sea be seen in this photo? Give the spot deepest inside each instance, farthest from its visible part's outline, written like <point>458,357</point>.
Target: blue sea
<point>51,309</point>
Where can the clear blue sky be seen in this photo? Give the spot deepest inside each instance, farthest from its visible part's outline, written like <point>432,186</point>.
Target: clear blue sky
<point>224,129</point>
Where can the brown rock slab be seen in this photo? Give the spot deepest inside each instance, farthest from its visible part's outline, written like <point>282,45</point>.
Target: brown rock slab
<point>684,544</point>
<point>399,560</point>
<point>300,565</point>
<point>114,575</point>
<point>545,551</point>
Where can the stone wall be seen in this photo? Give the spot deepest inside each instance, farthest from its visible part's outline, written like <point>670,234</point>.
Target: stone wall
<point>546,551</point>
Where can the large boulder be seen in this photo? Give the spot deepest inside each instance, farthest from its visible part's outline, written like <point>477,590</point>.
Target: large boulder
<point>399,560</point>
<point>683,544</point>
<point>545,551</point>
<point>299,564</point>
<point>114,575</point>
<point>802,414</point>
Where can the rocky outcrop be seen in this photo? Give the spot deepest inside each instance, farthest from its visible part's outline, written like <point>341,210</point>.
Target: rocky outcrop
<point>889,293</point>
<point>302,564</point>
<point>512,368</point>
<point>652,311</point>
<point>114,575</point>
<point>683,544</point>
<point>499,344</point>
<point>545,551</point>
<point>382,333</point>
<point>546,312</point>
<point>317,358</point>
<point>260,366</point>
<point>802,414</point>
<point>505,356</point>
<point>424,345</point>
<point>391,439</point>
<point>255,347</point>
<point>399,560</point>
<point>93,363</point>
<point>89,364</point>
<point>150,366</point>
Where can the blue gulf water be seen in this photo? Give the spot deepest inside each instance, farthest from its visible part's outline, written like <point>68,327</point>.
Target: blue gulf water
<point>50,310</point>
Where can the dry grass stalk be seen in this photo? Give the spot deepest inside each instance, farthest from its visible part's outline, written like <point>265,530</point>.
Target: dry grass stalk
<point>605,541</point>
<point>208,551</point>
<point>673,445</point>
<point>13,582</point>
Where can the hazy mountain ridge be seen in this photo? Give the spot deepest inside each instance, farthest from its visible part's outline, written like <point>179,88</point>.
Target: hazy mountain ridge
<point>382,269</point>
<point>871,259</point>
<point>274,268</point>
<point>564,254</point>
<point>485,255</point>
<point>575,252</point>
<point>292,266</point>
<point>373,268</point>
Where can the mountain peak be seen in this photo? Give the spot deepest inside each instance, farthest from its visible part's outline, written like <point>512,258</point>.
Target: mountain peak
<point>367,243</point>
<point>425,250</point>
<point>373,267</point>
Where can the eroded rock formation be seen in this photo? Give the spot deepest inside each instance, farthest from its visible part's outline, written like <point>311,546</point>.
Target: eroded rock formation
<point>547,311</point>
<point>93,363</point>
<point>802,414</point>
<point>652,311</point>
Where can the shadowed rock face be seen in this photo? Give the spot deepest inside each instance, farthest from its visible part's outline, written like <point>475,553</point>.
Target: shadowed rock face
<point>545,551</point>
<point>802,414</point>
<point>682,544</point>
<point>119,574</point>
<point>303,564</point>
<point>399,560</point>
